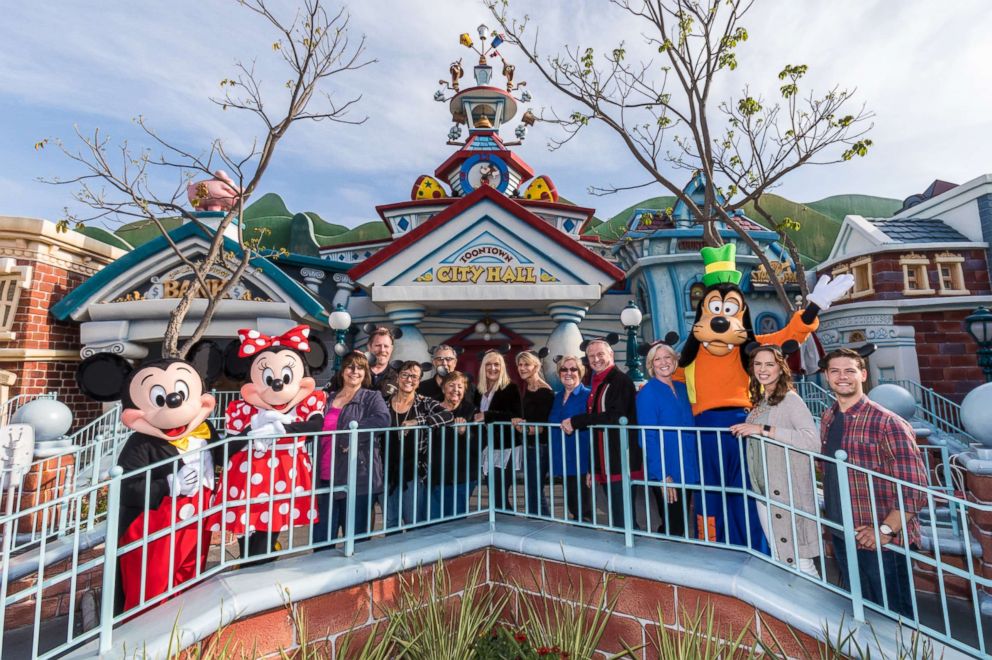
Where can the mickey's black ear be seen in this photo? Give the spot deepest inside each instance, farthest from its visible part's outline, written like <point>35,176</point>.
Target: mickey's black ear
<point>101,377</point>
<point>612,338</point>
<point>425,367</point>
<point>369,328</point>
<point>672,338</point>
<point>543,353</point>
<point>397,333</point>
<point>790,346</point>
<point>316,358</point>
<point>396,364</point>
<point>582,346</point>
<point>459,350</point>
<point>208,360</point>
<point>644,348</point>
<point>353,329</point>
<point>505,348</point>
<point>751,347</point>
<point>557,359</point>
<point>866,350</point>
<point>235,367</point>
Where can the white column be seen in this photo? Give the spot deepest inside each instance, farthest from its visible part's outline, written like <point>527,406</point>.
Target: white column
<point>565,338</point>
<point>411,345</point>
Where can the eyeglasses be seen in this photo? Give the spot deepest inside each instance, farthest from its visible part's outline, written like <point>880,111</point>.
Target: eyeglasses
<point>572,370</point>
<point>408,376</point>
<point>444,359</point>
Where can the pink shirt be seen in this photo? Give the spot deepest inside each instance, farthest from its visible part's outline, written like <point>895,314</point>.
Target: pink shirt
<point>327,442</point>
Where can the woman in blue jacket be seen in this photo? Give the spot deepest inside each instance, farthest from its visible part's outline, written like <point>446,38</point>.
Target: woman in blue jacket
<point>673,459</point>
<point>570,453</point>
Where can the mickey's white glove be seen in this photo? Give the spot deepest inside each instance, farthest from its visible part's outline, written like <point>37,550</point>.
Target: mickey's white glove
<point>828,290</point>
<point>184,482</point>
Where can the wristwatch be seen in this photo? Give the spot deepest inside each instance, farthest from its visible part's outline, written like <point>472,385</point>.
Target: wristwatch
<point>885,529</point>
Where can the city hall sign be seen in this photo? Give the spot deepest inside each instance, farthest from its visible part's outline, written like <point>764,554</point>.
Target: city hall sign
<point>486,264</point>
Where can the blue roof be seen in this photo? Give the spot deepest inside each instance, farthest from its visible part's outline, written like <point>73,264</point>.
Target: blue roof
<point>83,293</point>
<point>918,230</point>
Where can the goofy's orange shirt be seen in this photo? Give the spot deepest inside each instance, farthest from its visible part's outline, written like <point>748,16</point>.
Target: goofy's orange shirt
<point>721,382</point>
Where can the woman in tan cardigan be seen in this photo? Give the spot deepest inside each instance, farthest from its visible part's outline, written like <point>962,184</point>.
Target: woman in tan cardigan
<point>779,413</point>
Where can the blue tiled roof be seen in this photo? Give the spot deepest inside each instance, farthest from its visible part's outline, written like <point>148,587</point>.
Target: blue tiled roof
<point>484,143</point>
<point>918,230</point>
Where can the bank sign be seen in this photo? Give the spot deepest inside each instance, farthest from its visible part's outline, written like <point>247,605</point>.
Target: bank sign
<point>487,260</point>
<point>175,283</point>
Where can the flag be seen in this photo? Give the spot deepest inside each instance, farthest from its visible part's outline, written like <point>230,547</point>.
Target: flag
<point>497,40</point>
<point>465,40</point>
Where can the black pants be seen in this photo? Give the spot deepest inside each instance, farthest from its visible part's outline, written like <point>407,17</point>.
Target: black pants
<point>670,511</point>
<point>259,543</point>
<point>503,483</point>
<point>578,497</point>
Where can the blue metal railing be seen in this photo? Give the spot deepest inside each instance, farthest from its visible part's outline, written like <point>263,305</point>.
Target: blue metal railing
<point>11,405</point>
<point>936,408</point>
<point>458,461</point>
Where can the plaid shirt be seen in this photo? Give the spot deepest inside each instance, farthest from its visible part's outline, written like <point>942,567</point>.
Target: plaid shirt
<point>879,440</point>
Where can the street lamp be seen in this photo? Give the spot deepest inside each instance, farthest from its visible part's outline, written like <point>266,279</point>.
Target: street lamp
<point>979,326</point>
<point>630,318</point>
<point>340,322</point>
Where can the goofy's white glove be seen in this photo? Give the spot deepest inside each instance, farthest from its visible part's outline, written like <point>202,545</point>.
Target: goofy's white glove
<point>184,482</point>
<point>828,290</point>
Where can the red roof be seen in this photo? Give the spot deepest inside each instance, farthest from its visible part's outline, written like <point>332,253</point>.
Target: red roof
<point>463,204</point>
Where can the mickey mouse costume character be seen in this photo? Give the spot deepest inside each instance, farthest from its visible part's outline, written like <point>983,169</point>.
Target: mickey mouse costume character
<point>716,378</point>
<point>279,397</point>
<point>166,405</point>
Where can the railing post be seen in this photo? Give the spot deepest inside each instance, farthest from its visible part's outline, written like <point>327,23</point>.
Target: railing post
<point>850,544</point>
<point>349,516</point>
<point>109,587</point>
<point>491,477</point>
<point>628,508</point>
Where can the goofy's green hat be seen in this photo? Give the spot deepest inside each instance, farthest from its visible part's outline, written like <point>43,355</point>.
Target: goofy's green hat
<point>720,264</point>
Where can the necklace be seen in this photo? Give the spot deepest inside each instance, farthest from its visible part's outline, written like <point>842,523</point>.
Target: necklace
<point>396,415</point>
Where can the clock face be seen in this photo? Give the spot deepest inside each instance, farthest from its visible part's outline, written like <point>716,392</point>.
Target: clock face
<point>487,168</point>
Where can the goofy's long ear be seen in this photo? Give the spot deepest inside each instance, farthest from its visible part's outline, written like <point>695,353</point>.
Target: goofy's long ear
<point>102,377</point>
<point>208,360</point>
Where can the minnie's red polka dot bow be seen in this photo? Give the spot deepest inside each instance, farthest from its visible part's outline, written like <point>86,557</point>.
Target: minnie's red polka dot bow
<point>253,341</point>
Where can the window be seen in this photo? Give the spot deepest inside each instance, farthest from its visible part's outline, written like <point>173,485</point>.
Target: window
<point>13,278</point>
<point>696,293</point>
<point>861,269</point>
<point>950,275</point>
<point>916,281</point>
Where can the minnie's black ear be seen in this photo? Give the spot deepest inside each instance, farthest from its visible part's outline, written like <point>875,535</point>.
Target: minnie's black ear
<point>790,346</point>
<point>543,353</point>
<point>866,350</point>
<point>582,346</point>
<point>672,338</point>
<point>101,377</point>
<point>316,358</point>
<point>208,360</point>
<point>235,367</point>
<point>644,348</point>
<point>397,333</point>
<point>612,338</point>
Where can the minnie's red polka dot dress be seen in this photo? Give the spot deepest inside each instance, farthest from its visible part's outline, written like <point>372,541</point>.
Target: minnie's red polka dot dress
<point>282,481</point>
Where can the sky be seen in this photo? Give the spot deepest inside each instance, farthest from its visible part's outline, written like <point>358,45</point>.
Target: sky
<point>923,70</point>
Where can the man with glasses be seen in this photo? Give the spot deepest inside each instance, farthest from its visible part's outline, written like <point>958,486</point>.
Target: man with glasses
<point>445,360</point>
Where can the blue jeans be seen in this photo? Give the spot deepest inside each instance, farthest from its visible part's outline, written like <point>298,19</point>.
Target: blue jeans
<point>538,461</point>
<point>335,512</point>
<point>450,500</point>
<point>414,506</point>
<point>892,573</point>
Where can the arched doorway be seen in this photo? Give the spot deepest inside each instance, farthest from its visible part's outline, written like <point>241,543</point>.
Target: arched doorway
<point>472,344</point>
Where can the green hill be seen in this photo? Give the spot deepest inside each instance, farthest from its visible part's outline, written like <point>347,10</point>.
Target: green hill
<point>614,228</point>
<point>268,205</point>
<point>838,206</point>
<point>817,231</point>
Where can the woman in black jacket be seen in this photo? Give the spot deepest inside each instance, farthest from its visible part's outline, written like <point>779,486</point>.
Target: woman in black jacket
<point>455,451</point>
<point>499,401</point>
<point>536,403</point>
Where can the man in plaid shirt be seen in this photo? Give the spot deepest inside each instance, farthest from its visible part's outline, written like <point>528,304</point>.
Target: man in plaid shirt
<point>878,440</point>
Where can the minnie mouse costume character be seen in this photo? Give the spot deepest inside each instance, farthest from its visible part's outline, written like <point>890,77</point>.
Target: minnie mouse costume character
<point>166,405</point>
<point>280,397</point>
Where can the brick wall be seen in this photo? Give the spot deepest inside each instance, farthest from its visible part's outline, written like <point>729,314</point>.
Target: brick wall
<point>36,329</point>
<point>328,618</point>
<point>946,353</point>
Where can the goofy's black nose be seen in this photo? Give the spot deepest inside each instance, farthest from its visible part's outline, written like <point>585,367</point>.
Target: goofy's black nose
<point>277,385</point>
<point>719,324</point>
<point>174,400</point>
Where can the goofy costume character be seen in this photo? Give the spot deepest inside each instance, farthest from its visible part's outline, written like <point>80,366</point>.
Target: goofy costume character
<point>715,370</point>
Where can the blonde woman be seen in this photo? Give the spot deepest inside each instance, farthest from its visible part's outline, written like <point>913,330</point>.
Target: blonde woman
<point>499,401</point>
<point>535,404</point>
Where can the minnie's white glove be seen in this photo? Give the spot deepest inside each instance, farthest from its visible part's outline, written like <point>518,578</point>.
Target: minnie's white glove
<point>263,417</point>
<point>828,289</point>
<point>184,482</point>
<point>263,436</point>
